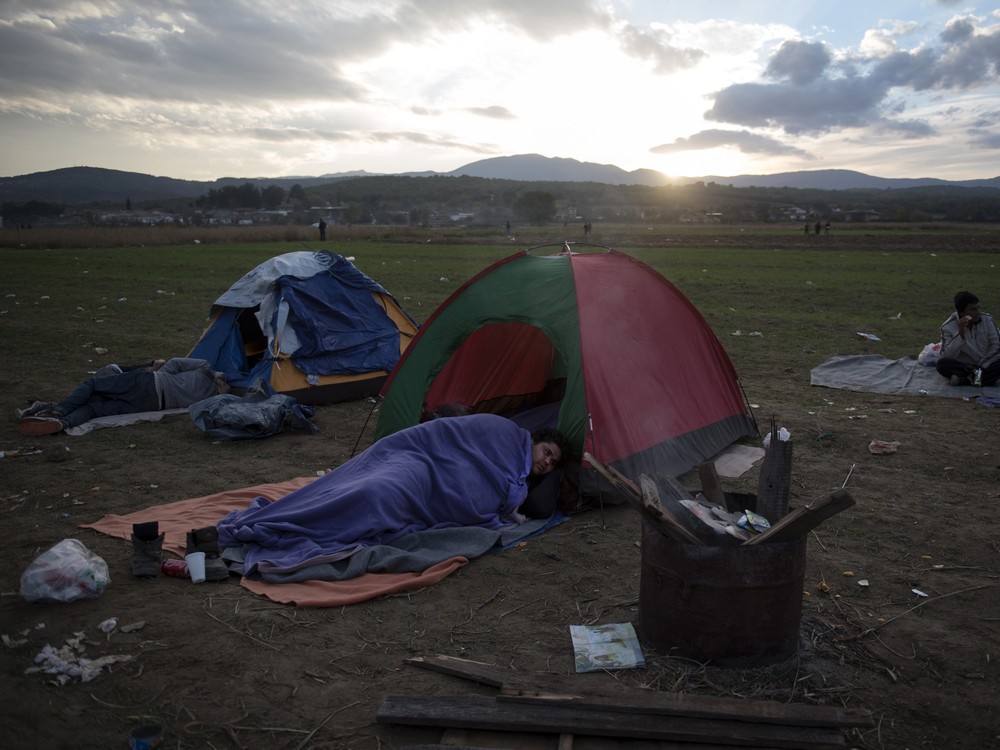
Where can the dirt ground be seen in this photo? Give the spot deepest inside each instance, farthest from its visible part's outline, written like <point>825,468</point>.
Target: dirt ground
<point>218,667</point>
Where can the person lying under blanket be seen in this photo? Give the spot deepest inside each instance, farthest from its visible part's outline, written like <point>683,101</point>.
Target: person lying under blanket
<point>468,471</point>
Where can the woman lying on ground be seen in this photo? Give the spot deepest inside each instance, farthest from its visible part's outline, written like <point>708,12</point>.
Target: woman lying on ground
<point>470,471</point>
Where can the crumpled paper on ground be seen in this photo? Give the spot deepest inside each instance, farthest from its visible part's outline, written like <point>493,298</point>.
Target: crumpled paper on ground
<point>882,446</point>
<point>68,662</point>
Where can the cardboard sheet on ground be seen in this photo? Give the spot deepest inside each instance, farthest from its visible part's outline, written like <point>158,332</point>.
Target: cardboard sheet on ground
<point>177,518</point>
<point>873,373</point>
<point>736,460</point>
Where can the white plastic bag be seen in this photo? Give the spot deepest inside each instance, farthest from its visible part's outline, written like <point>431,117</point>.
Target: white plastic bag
<point>783,435</point>
<point>66,572</point>
<point>930,354</point>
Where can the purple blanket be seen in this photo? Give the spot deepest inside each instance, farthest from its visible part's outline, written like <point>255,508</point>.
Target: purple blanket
<point>446,473</point>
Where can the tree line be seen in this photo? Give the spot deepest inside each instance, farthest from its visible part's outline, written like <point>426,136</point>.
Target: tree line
<point>417,200</point>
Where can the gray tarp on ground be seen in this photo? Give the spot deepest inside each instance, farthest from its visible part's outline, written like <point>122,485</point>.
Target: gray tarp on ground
<point>873,373</point>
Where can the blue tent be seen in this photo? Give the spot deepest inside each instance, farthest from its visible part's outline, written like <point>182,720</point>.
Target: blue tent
<point>309,324</point>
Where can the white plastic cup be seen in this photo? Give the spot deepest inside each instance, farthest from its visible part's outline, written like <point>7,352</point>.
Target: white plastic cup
<point>196,566</point>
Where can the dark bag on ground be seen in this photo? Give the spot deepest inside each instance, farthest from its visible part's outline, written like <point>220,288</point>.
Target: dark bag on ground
<point>258,414</point>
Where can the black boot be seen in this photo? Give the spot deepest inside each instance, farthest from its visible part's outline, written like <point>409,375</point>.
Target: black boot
<point>147,549</point>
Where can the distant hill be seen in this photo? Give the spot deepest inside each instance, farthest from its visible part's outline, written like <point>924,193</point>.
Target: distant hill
<point>94,185</point>
<point>837,179</point>
<point>537,168</point>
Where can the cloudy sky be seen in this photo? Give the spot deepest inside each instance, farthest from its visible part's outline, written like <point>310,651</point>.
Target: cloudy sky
<point>201,89</point>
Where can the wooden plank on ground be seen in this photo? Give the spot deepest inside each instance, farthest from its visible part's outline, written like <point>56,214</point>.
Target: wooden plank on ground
<point>463,739</point>
<point>597,691</point>
<point>477,671</point>
<point>637,700</point>
<point>802,520</point>
<point>481,712</point>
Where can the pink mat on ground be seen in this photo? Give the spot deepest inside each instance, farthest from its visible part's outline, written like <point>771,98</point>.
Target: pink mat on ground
<point>178,518</point>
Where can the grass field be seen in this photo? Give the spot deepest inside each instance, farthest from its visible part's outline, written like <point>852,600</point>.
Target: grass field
<point>805,302</point>
<point>220,667</point>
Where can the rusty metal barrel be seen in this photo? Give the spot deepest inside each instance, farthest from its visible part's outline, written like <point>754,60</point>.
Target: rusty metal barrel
<point>732,606</point>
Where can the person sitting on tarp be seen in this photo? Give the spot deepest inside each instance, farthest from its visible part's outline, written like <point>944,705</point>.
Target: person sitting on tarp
<point>970,344</point>
<point>163,384</point>
<point>470,471</point>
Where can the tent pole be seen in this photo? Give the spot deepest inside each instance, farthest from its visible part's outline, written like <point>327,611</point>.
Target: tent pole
<point>365,425</point>
<point>753,417</point>
<point>593,451</point>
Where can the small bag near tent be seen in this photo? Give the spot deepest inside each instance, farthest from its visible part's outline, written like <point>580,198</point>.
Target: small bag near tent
<point>597,344</point>
<point>310,325</point>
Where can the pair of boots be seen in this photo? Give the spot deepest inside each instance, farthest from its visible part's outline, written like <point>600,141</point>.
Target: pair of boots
<point>207,540</point>
<point>147,550</point>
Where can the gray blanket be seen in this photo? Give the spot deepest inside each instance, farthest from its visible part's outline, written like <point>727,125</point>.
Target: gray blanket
<point>873,373</point>
<point>410,553</point>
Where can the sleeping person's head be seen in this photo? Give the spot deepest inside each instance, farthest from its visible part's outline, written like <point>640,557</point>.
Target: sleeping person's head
<point>549,448</point>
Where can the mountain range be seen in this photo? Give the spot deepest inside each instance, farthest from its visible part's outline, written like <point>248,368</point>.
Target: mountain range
<point>78,185</point>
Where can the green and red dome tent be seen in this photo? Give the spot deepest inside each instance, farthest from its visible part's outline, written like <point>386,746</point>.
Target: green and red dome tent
<point>638,377</point>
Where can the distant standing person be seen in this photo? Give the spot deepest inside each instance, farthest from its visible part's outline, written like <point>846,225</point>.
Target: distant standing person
<point>970,344</point>
<point>817,227</point>
<point>322,230</point>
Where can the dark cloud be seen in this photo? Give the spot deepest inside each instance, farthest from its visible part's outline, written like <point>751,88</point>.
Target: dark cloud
<point>816,108</point>
<point>905,128</point>
<point>194,52</point>
<point>984,138</point>
<point>799,62</point>
<point>814,94</point>
<point>238,51</point>
<point>745,141</point>
<point>957,30</point>
<point>987,119</point>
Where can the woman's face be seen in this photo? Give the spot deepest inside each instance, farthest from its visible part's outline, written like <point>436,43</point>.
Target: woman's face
<point>972,312</point>
<point>545,456</point>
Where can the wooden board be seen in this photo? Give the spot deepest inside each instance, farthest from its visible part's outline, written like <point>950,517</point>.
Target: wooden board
<point>775,481</point>
<point>600,691</point>
<point>482,712</point>
<point>801,521</point>
<point>708,475</point>
<point>695,706</point>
